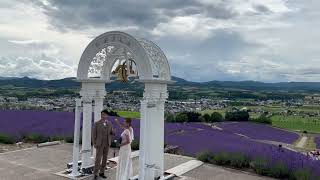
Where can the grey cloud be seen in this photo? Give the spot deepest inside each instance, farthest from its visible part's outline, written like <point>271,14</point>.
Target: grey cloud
<point>262,9</point>
<point>75,15</point>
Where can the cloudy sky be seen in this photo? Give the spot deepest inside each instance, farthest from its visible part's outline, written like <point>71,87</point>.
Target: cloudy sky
<point>263,40</point>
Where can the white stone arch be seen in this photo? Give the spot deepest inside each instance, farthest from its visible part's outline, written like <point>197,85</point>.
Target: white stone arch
<point>151,62</point>
<point>154,71</point>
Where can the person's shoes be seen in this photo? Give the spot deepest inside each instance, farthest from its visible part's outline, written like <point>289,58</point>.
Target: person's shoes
<point>95,177</point>
<point>103,176</point>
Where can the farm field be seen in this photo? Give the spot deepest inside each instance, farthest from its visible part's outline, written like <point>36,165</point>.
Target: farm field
<point>297,123</point>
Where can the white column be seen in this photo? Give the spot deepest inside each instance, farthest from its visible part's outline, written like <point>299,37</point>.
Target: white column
<point>86,132</point>
<point>76,138</point>
<point>142,138</point>
<point>98,107</point>
<point>92,89</point>
<point>152,131</point>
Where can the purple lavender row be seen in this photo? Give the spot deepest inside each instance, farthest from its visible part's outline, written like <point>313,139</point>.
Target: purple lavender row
<point>317,140</point>
<point>259,131</point>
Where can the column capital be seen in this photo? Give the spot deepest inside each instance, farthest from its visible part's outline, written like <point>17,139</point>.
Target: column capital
<point>155,92</point>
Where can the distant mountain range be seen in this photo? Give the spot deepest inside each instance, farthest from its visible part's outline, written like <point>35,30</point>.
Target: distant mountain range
<point>242,85</point>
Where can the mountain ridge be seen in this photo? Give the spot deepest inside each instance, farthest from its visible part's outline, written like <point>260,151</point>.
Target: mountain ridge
<point>71,82</point>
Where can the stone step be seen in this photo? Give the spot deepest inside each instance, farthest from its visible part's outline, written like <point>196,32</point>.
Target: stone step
<point>184,168</point>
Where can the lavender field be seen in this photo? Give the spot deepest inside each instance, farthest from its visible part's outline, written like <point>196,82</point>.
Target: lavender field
<point>19,123</point>
<point>317,140</point>
<point>259,131</point>
<point>191,138</point>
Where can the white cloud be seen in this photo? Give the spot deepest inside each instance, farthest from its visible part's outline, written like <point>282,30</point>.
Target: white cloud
<point>197,27</point>
<point>41,68</point>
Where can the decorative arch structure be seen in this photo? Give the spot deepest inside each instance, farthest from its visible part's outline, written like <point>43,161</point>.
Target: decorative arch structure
<point>96,68</point>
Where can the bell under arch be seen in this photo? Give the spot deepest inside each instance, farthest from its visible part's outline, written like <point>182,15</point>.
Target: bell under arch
<point>97,66</point>
<point>150,60</point>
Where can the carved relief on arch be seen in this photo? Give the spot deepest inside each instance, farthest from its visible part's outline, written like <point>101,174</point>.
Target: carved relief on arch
<point>159,62</point>
<point>98,57</point>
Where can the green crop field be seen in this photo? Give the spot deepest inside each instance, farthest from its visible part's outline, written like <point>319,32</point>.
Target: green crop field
<point>129,114</point>
<point>221,111</point>
<point>297,123</point>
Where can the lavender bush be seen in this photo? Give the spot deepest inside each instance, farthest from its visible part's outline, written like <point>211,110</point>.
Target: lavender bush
<point>259,131</point>
<point>317,140</point>
<point>19,123</point>
<point>216,141</point>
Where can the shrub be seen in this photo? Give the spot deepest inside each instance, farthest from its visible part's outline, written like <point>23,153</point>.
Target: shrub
<point>205,156</point>
<point>279,170</point>
<point>206,117</point>
<point>260,166</point>
<point>239,160</point>
<point>56,138</point>
<point>135,144</point>
<point>201,119</point>
<point>6,139</point>
<point>216,117</point>
<point>262,119</point>
<point>181,117</point>
<point>301,174</point>
<point>170,117</point>
<point>35,138</point>
<point>68,139</point>
<point>221,158</point>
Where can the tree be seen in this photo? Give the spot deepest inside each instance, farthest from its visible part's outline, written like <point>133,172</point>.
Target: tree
<point>216,117</point>
<point>242,116</point>
<point>193,116</point>
<point>170,117</point>
<point>181,117</point>
<point>237,116</point>
<point>201,119</point>
<point>206,117</point>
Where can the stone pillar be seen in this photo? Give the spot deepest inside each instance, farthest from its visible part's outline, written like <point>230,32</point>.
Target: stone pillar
<point>98,107</point>
<point>76,138</point>
<point>152,130</point>
<point>92,89</point>
<point>86,132</point>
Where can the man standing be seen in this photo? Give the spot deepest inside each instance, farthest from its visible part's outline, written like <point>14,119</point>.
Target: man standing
<point>102,133</point>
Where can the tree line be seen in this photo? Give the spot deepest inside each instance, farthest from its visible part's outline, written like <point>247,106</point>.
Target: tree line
<point>191,116</point>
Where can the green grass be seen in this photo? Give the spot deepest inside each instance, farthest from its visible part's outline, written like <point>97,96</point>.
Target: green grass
<point>310,143</point>
<point>297,123</point>
<point>129,114</point>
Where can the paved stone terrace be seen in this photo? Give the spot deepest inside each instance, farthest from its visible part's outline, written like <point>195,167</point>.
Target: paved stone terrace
<point>42,164</point>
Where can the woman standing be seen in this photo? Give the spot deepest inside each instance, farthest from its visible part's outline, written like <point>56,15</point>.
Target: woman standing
<point>124,169</point>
